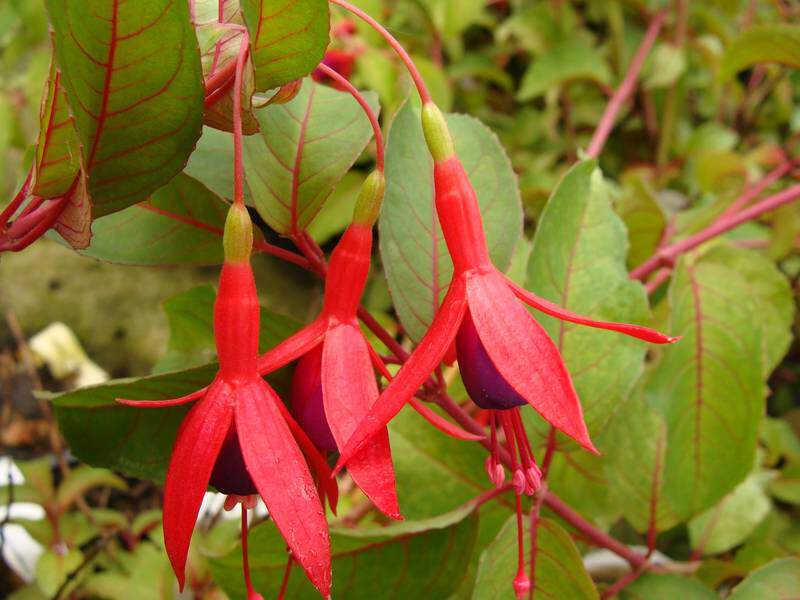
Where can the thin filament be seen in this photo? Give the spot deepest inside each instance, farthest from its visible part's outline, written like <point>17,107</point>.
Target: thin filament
<point>373,119</point>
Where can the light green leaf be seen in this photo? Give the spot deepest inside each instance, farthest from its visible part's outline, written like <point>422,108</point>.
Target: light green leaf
<point>287,37</point>
<point>665,66</point>
<point>666,587</point>
<point>212,162</point>
<point>181,224</point>
<point>778,579</point>
<point>53,568</point>
<point>787,487</point>
<point>413,560</point>
<point>570,60</point>
<point>559,567</point>
<point>304,148</point>
<point>84,478</point>
<point>736,516</point>
<point>578,262</point>
<point>643,216</point>
<point>133,79</point>
<point>418,267</point>
<point>776,42</point>
<point>708,386</point>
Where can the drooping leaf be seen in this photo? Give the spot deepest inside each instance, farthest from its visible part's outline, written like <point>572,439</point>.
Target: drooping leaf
<point>58,152</point>
<point>708,387</point>
<point>287,37</point>
<point>406,560</point>
<point>418,267</point>
<point>736,516</point>
<point>776,42</point>
<point>133,79</point>
<point>180,224</point>
<point>578,262</point>
<point>778,579</point>
<point>570,60</point>
<point>559,568</point>
<point>666,587</point>
<point>304,148</point>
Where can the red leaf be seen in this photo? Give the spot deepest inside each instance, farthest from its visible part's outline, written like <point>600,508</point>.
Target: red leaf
<point>349,390</point>
<point>417,369</point>
<point>524,354</point>
<point>196,448</point>
<point>281,475</point>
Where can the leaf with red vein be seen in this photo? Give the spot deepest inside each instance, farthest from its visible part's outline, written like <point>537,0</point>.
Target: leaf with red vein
<point>181,224</point>
<point>58,152</point>
<point>74,224</point>
<point>132,75</point>
<point>305,147</point>
<point>709,387</point>
<point>418,267</point>
<point>288,38</point>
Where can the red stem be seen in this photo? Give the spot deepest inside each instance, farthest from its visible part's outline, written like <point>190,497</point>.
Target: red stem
<point>245,560</point>
<point>422,89</point>
<point>373,119</point>
<point>238,167</point>
<point>754,191</point>
<point>667,256</point>
<point>626,87</point>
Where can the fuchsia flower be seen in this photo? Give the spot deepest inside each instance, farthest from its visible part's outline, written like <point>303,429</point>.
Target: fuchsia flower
<point>240,438</point>
<point>334,383</point>
<point>505,357</point>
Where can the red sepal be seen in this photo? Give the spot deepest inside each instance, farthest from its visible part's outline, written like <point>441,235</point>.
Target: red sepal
<point>281,475</point>
<point>554,310</point>
<point>348,392</point>
<point>197,445</point>
<point>164,403</point>
<point>417,369</point>
<point>292,347</point>
<point>426,413</point>
<point>524,354</point>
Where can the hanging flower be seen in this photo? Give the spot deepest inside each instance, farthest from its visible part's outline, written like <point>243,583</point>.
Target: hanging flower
<point>240,438</point>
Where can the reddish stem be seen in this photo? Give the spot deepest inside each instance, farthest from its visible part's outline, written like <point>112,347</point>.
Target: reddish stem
<point>373,119</point>
<point>245,560</point>
<point>667,256</point>
<point>285,581</point>
<point>754,191</point>
<point>626,87</point>
<point>422,89</point>
<point>238,167</point>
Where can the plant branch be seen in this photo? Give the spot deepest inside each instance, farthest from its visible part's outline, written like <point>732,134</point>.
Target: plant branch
<point>625,89</point>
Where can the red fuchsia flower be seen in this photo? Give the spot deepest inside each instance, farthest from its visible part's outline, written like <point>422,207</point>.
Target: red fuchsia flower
<point>240,438</point>
<point>505,357</point>
<point>334,384</point>
<point>341,61</point>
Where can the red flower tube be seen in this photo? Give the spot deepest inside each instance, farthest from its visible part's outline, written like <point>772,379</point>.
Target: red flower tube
<point>240,438</point>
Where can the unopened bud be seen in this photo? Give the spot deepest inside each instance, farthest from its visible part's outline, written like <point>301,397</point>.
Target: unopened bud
<point>237,240</point>
<point>368,205</point>
<point>437,134</point>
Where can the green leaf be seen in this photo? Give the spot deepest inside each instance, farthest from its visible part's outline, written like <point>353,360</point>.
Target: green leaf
<point>559,567</point>
<point>634,465</point>
<point>38,474</point>
<point>133,79</point>
<point>666,64</point>
<point>418,267</point>
<point>708,386</point>
<point>337,211</point>
<point>181,224</point>
<point>212,162</point>
<point>643,216</point>
<point>57,149</point>
<point>787,487</point>
<point>304,148</point>
<point>82,479</point>
<point>133,441</point>
<point>770,293</point>
<point>776,42</point>
<point>53,568</point>
<point>778,579</point>
<point>578,262</point>
<point>736,516</point>
<point>435,473</point>
<point>570,60</point>
<point>666,587</point>
<point>408,560</point>
<point>288,38</point>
